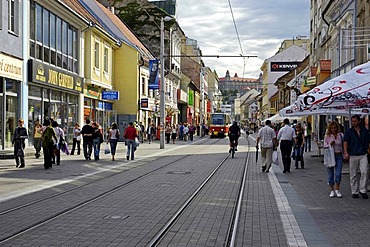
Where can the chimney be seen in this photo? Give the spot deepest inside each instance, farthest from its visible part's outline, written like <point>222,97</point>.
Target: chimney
<point>112,9</point>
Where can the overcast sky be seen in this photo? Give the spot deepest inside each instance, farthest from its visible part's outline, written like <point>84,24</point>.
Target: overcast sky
<point>262,26</point>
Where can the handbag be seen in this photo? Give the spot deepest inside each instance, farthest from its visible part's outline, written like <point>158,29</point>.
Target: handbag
<point>329,157</point>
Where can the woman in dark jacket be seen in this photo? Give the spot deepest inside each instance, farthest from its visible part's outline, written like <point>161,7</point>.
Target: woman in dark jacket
<point>20,134</point>
<point>97,140</point>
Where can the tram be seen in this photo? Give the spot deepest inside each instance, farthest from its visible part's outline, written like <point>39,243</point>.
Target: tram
<point>219,124</point>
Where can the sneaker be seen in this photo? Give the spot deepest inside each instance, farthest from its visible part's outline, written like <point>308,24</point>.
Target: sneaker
<point>337,192</point>
<point>332,194</point>
<point>263,168</point>
<point>364,195</point>
<point>354,195</point>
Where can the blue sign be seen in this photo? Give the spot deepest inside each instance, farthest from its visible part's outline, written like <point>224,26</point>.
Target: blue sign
<point>153,74</point>
<point>110,95</point>
<point>105,105</point>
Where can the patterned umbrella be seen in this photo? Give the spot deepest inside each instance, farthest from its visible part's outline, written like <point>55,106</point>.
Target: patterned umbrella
<point>346,94</point>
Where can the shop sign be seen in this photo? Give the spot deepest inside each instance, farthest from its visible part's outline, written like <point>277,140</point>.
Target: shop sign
<point>92,92</point>
<point>191,97</point>
<point>47,75</point>
<point>10,67</point>
<point>283,66</point>
<point>144,103</point>
<point>105,105</point>
<point>110,95</point>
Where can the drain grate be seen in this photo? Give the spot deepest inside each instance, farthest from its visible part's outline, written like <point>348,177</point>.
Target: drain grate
<point>164,185</point>
<point>178,172</point>
<point>284,182</point>
<point>115,217</point>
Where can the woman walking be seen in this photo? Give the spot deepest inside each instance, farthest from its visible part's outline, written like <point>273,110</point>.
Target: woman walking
<point>59,142</point>
<point>76,139</point>
<point>48,139</point>
<point>299,146</point>
<point>113,137</point>
<point>174,133</point>
<point>37,138</point>
<point>20,134</point>
<point>97,140</point>
<point>334,138</point>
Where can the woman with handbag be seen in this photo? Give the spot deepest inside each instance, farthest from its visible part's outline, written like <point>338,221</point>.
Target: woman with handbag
<point>59,142</point>
<point>334,139</point>
<point>113,138</point>
<point>299,146</point>
<point>20,134</point>
<point>76,139</point>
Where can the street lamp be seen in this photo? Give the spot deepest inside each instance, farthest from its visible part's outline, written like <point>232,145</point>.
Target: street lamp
<point>162,89</point>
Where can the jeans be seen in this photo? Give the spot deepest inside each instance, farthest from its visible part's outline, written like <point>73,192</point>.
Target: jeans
<point>76,143</point>
<point>87,146</point>
<point>130,148</point>
<point>335,173</point>
<point>307,143</point>
<point>299,156</point>
<point>37,143</point>
<point>113,146</point>
<point>96,144</point>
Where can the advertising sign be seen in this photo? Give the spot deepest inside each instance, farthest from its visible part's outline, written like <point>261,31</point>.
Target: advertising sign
<point>153,74</point>
<point>144,103</point>
<point>283,66</point>
<point>110,95</point>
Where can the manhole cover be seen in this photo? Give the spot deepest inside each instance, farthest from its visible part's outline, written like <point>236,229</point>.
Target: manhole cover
<point>115,217</point>
<point>178,172</point>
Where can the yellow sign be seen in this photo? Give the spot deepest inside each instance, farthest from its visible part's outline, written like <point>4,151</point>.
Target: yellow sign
<point>11,67</point>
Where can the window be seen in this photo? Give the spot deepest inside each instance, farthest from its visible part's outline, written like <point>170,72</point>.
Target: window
<point>14,16</point>
<point>106,59</point>
<point>96,53</point>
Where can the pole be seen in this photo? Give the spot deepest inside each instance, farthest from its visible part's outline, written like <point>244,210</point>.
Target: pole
<point>162,88</point>
<point>201,98</point>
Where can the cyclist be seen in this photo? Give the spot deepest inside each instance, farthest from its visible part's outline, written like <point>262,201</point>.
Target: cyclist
<point>234,134</point>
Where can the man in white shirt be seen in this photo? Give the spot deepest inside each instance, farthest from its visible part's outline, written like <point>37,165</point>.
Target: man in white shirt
<point>267,136</point>
<point>286,136</point>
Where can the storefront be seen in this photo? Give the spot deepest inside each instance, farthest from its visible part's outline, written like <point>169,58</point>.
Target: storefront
<point>54,94</point>
<point>10,87</point>
<point>98,110</point>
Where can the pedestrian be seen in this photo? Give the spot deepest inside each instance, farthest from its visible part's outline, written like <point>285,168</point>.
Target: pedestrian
<point>59,142</point>
<point>186,131</point>
<point>168,132</point>
<point>37,138</point>
<point>287,138</point>
<point>76,139</point>
<point>113,138</point>
<point>181,132</point>
<point>334,138</point>
<point>267,137</point>
<point>356,145</point>
<point>130,134</point>
<point>142,132</point>
<point>191,132</point>
<point>173,133</point>
<point>97,140</point>
<point>299,146</point>
<point>19,136</point>
<point>48,139</point>
<point>307,137</point>
<point>150,132</point>
<point>87,132</point>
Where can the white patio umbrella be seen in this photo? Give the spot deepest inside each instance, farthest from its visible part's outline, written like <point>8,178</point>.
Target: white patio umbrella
<point>347,94</point>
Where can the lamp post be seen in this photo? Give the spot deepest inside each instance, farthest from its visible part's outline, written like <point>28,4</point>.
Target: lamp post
<point>162,106</point>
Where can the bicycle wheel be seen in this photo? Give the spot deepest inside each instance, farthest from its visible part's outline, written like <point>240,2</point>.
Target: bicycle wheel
<point>233,150</point>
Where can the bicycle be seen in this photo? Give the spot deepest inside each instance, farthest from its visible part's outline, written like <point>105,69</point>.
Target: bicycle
<point>233,142</point>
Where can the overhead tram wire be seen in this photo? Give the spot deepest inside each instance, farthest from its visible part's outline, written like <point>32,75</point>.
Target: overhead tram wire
<point>237,34</point>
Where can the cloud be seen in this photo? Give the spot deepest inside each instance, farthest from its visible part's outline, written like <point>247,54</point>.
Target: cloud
<point>262,26</point>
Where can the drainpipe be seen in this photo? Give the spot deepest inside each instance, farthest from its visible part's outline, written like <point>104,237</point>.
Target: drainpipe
<point>139,86</point>
<point>324,12</point>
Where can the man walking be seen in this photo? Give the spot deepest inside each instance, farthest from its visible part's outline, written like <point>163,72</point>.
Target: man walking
<point>286,136</point>
<point>356,145</point>
<point>87,133</point>
<point>129,135</point>
<point>267,136</point>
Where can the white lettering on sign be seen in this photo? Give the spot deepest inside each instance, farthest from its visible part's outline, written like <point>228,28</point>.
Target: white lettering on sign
<point>10,67</point>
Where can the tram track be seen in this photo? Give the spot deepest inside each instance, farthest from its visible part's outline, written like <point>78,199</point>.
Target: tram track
<point>85,202</point>
<point>231,234</point>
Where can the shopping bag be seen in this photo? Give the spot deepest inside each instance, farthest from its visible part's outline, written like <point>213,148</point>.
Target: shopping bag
<point>64,148</point>
<point>137,143</point>
<point>275,158</point>
<point>107,149</point>
<point>329,157</point>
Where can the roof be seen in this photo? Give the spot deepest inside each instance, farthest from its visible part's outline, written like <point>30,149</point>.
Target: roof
<point>116,26</point>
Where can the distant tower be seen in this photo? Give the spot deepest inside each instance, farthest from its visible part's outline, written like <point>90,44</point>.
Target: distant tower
<point>168,5</point>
